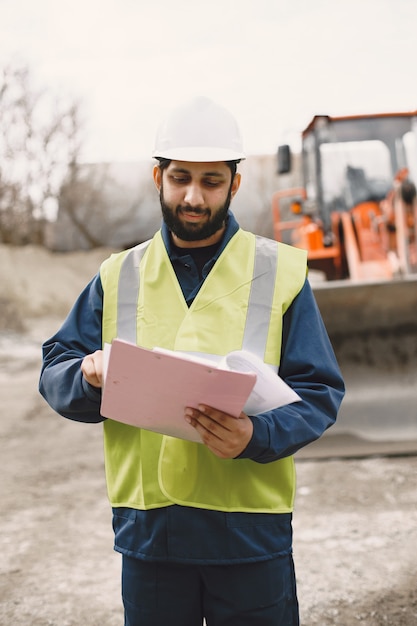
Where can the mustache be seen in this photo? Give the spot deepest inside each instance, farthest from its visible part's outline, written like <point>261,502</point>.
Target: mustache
<point>191,209</point>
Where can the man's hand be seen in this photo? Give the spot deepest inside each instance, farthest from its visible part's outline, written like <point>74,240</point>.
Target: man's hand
<point>92,368</point>
<point>226,436</point>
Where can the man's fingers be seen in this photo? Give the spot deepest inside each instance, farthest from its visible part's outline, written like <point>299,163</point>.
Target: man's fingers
<point>226,436</point>
<point>92,368</point>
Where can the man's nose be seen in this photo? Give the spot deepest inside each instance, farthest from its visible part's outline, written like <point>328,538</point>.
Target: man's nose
<point>194,195</point>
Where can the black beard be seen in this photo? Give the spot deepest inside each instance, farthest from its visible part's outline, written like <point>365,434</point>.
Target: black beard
<point>193,232</point>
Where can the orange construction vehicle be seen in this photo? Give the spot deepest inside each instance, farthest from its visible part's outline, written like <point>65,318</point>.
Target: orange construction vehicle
<point>356,214</point>
<point>357,208</point>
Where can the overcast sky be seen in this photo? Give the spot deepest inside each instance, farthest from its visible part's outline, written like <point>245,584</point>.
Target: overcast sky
<point>273,63</point>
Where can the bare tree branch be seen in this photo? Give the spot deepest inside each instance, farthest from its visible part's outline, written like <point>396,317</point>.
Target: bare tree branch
<point>40,137</point>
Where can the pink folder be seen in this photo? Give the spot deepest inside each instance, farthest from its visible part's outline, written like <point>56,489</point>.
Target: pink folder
<point>151,389</point>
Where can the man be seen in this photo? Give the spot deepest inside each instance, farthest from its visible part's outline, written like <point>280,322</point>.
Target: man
<point>204,529</point>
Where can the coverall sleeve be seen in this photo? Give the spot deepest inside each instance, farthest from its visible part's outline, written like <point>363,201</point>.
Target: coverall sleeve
<point>61,382</point>
<point>309,366</point>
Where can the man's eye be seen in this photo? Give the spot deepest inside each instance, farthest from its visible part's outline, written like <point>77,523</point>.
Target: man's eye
<point>212,183</point>
<point>180,180</point>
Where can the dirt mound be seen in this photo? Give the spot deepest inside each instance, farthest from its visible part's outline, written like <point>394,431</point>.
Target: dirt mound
<point>36,282</point>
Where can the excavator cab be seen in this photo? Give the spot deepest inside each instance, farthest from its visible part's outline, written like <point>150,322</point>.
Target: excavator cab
<point>357,195</point>
<point>350,200</point>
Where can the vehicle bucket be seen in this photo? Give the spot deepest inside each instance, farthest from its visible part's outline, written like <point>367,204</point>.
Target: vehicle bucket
<point>373,329</point>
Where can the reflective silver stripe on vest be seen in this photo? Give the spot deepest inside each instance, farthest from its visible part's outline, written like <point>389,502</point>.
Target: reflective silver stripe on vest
<point>260,297</point>
<point>128,293</point>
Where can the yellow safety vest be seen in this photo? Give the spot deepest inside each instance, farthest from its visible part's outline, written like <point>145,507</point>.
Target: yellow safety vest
<point>240,305</point>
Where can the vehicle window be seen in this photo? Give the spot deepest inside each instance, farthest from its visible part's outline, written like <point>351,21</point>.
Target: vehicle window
<point>354,172</point>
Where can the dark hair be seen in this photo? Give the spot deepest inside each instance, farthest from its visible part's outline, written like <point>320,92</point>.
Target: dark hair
<point>163,163</point>
<point>232,165</point>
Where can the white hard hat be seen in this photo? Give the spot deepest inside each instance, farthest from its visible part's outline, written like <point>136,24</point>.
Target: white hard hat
<point>199,131</point>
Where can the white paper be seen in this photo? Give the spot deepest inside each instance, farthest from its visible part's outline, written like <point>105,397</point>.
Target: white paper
<point>106,356</point>
<point>270,391</point>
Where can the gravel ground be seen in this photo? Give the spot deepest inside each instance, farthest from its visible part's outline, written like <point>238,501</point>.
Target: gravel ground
<point>355,521</point>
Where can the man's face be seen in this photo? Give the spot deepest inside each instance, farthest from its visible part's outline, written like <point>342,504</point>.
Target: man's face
<point>195,198</point>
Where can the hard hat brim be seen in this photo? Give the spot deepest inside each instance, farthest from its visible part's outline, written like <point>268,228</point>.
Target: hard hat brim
<point>199,154</point>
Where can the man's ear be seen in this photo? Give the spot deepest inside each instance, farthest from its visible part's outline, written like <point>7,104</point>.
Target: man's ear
<point>235,184</point>
<point>157,177</point>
